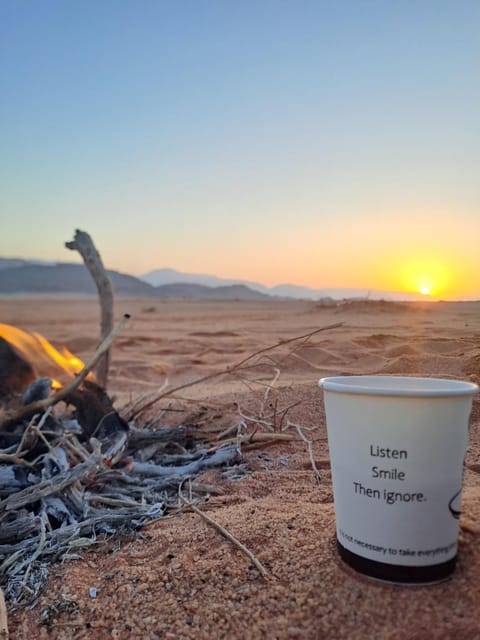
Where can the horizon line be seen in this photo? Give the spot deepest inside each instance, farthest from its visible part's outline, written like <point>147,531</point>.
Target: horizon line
<point>242,281</point>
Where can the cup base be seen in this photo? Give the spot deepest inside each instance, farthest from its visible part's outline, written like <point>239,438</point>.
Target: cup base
<point>401,574</point>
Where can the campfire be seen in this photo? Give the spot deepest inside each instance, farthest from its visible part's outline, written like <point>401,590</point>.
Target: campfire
<point>72,468</point>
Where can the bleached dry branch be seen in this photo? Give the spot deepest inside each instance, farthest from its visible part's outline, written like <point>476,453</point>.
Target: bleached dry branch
<point>308,442</point>
<point>83,243</point>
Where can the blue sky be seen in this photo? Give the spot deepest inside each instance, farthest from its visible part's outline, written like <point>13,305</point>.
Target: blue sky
<point>320,143</point>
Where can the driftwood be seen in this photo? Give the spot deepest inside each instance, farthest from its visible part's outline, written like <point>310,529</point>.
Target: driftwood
<point>83,243</point>
<point>217,458</point>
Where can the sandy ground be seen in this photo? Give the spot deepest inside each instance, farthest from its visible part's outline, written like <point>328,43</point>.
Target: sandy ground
<point>180,578</point>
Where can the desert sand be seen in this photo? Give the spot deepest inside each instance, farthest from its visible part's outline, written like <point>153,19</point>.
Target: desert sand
<point>179,578</point>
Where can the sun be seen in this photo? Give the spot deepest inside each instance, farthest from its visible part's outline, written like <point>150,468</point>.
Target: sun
<point>426,275</point>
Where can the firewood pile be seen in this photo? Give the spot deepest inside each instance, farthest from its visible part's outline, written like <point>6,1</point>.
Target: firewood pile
<point>75,471</point>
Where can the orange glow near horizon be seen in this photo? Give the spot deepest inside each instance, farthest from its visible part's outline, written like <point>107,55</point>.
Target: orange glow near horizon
<point>396,247</point>
<point>416,252</point>
<point>427,276</point>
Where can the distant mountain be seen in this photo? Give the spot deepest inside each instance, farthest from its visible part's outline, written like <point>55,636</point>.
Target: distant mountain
<point>9,263</point>
<point>170,276</point>
<point>160,277</point>
<point>23,276</point>
<point>65,278</point>
<point>185,290</point>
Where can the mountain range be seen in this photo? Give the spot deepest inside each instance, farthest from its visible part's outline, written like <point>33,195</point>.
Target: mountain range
<point>38,277</point>
<point>161,277</point>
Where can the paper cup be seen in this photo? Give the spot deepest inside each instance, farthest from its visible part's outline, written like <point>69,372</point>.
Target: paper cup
<point>397,448</point>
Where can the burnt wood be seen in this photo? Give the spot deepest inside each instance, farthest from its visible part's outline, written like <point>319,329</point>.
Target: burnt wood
<point>16,373</point>
<point>94,411</point>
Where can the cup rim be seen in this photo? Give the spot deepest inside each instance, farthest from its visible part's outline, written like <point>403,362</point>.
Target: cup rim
<point>378,385</point>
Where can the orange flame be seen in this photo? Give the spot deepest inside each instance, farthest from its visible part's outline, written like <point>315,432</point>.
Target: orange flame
<point>42,355</point>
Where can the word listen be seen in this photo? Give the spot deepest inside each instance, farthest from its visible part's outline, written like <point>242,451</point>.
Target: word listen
<point>381,452</point>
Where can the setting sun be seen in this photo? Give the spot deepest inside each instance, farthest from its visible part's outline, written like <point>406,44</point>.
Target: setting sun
<point>428,276</point>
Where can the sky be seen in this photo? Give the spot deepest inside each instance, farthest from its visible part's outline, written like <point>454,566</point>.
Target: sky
<point>318,143</point>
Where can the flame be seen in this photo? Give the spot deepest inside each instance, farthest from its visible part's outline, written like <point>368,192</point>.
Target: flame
<point>38,351</point>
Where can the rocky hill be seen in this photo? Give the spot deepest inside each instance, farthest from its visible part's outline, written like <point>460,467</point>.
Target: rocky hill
<point>23,277</point>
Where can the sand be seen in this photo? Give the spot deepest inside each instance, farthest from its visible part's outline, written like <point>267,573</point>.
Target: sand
<point>179,578</point>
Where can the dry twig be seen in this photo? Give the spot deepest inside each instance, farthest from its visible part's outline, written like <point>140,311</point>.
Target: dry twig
<point>268,389</point>
<point>226,534</point>
<point>159,395</point>
<point>308,442</point>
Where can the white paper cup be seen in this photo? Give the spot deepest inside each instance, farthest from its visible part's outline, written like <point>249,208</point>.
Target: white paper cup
<point>397,448</point>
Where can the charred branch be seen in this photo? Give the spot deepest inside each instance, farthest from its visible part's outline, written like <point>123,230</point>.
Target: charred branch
<point>15,372</point>
<point>94,411</point>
